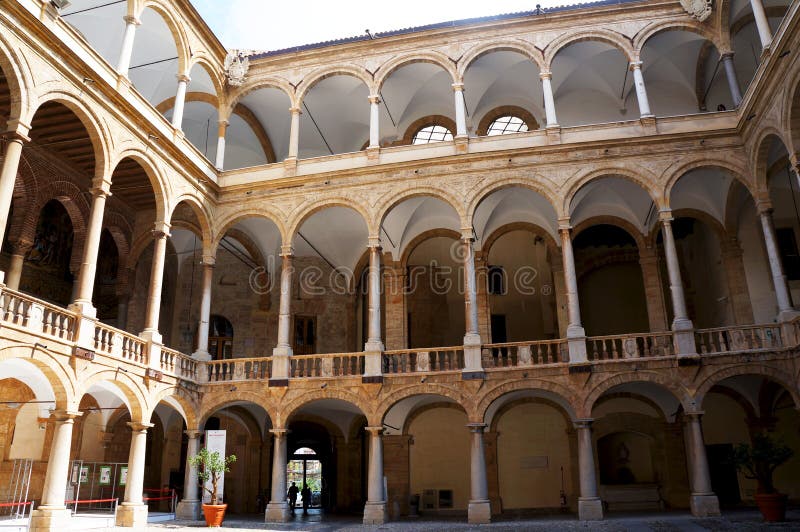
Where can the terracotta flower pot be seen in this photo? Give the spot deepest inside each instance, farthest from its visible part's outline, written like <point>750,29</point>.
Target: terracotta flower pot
<point>772,506</point>
<point>214,514</point>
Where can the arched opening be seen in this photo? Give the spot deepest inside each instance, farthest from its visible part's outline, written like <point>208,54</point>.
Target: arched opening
<point>201,111</point>
<point>335,117</point>
<point>259,129</point>
<point>155,59</point>
<point>106,279</point>
<point>101,23</point>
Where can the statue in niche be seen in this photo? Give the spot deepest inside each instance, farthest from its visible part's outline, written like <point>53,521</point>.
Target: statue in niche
<point>624,473</point>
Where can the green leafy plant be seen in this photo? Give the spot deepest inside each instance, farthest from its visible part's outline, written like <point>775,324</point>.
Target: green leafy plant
<point>760,460</point>
<point>211,466</point>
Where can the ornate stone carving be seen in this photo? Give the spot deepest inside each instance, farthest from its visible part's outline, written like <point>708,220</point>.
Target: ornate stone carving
<point>699,9</point>
<point>236,66</point>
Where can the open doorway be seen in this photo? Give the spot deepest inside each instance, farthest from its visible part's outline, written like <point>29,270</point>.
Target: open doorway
<point>304,469</point>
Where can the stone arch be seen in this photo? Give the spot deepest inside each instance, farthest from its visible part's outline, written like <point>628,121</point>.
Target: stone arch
<point>678,390</point>
<point>158,182</point>
<point>307,210</point>
<point>507,45</point>
<point>256,84</point>
<point>561,393</point>
<point>289,409</point>
<point>748,368</point>
<point>760,155</point>
<point>188,407</point>
<point>616,221</point>
<point>50,365</point>
<point>200,58</point>
<point>639,176</point>
<point>715,225</point>
<point>201,212</point>
<point>537,230</point>
<point>226,224</point>
<point>791,112</point>
<point>676,172</point>
<point>417,411</point>
<point>127,384</point>
<point>392,199</point>
<point>434,57</point>
<point>617,40</point>
<point>506,110</point>
<point>315,77</point>
<point>98,134</point>
<point>429,120</point>
<point>690,25</point>
<point>176,28</point>
<point>382,408</point>
<point>538,186</point>
<point>422,237</point>
<point>630,395</point>
<point>19,83</point>
<point>217,400</point>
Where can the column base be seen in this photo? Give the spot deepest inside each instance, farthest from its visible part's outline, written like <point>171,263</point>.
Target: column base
<point>46,519</point>
<point>189,510</point>
<point>132,515</point>
<point>202,356</point>
<point>277,512</point>
<point>479,512</point>
<point>705,505</point>
<point>684,342</point>
<point>375,513</point>
<point>151,336</point>
<point>576,344</point>
<point>590,509</point>
<point>472,357</point>
<point>786,316</point>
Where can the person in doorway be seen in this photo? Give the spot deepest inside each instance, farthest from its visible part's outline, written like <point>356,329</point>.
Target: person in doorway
<point>293,496</point>
<point>306,495</point>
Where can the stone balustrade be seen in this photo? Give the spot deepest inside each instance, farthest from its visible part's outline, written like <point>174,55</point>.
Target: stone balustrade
<point>524,354</point>
<point>741,338</point>
<point>628,346</point>
<point>433,359</point>
<point>36,315</point>
<point>328,365</point>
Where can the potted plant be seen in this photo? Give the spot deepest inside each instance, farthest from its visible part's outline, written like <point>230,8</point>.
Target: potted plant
<point>758,462</point>
<point>210,467</point>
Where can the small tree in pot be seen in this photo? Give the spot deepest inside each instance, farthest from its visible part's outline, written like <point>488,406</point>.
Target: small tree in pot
<point>758,462</point>
<point>210,467</point>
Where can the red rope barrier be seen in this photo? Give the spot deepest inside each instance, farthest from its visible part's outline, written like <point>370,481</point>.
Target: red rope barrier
<point>11,504</point>
<point>89,501</point>
<point>148,499</point>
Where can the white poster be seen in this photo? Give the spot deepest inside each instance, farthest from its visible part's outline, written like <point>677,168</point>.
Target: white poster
<point>215,441</point>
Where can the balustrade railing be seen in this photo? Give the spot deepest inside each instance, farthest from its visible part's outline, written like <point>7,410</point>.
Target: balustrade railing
<point>627,346</point>
<point>423,360</point>
<point>523,354</point>
<point>327,365</point>
<point>739,338</point>
<point>36,315</point>
<point>116,343</point>
<point>239,369</point>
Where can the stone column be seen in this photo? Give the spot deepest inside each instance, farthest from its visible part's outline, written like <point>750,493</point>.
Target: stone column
<point>472,337</point>
<point>653,292</point>
<point>762,24</point>
<point>576,335</point>
<point>189,508</point>
<point>549,102</point>
<point>479,510</point>
<point>278,507</point>
<point>205,310</point>
<point>786,311</point>
<point>125,53</point>
<point>375,509</point>
<point>374,121</point>
<point>682,326</point>
<point>282,352</point>
<point>132,513</point>
<point>86,275</point>
<point>461,110</point>
<point>703,502</point>
<point>374,346</point>
<point>294,133</point>
<point>8,176</point>
<point>590,507</point>
<point>396,315</point>
<point>19,250</point>
<point>160,236</point>
<point>641,91</point>
<point>52,514</point>
<point>222,130</point>
<point>180,100</point>
<point>733,80</point>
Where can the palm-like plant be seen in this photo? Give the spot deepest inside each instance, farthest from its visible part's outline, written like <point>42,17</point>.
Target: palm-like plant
<point>211,466</point>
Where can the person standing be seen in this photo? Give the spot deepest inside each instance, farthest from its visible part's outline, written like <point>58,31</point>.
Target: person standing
<point>293,496</point>
<point>306,495</point>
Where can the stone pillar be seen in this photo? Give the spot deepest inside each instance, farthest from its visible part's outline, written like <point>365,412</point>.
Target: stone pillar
<point>205,310</point>
<point>461,110</point>
<point>180,101</point>
<point>52,514</point>
<point>733,80</point>
<point>576,335</point>
<point>737,281</point>
<point>654,295</point>
<point>762,24</point>
<point>222,130</point>
<point>641,91</point>
<point>786,311</point>
<point>560,291</point>
<point>703,502</point>
<point>132,513</point>
<point>8,176</point>
<point>375,509</point>
<point>190,507</point>
<point>482,291</point>
<point>682,326</point>
<point>374,346</point>
<point>294,133</point>
<point>278,507</point>
<point>125,53</point>
<point>479,510</point>
<point>86,275</point>
<point>590,507</point>
<point>160,236</point>
<point>549,102</point>
<point>282,352</point>
<point>472,337</point>
<point>394,286</point>
<point>374,121</point>
<point>19,250</point>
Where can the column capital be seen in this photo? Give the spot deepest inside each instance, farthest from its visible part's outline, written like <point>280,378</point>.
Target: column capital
<point>726,54</point>
<point>467,234</point>
<point>183,78</point>
<point>374,242</point>
<point>161,230</point>
<point>287,250</point>
<point>209,261</point>
<point>545,74</point>
<point>133,21</point>
<point>635,65</point>
<point>101,187</point>
<point>138,426</point>
<point>65,416</point>
<point>665,215</point>
<point>764,207</point>
<point>694,415</point>
<point>477,427</point>
<point>564,224</point>
<point>223,124</point>
<point>374,98</point>
<point>295,110</point>
<point>193,434</point>
<point>279,433</point>
<point>18,134</point>
<point>374,431</point>
<point>20,246</point>
<point>457,87</point>
<point>585,423</point>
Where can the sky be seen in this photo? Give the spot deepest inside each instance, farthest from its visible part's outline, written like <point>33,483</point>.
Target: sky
<point>273,25</point>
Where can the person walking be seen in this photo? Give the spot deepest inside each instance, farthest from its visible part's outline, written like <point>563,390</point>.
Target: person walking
<point>293,496</point>
<point>306,495</point>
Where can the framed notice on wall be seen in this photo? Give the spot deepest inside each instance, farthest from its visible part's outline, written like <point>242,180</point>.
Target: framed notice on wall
<point>105,476</point>
<point>123,475</point>
<point>84,474</point>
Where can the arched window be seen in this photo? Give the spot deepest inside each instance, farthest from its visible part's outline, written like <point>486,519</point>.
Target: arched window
<point>507,124</point>
<point>220,338</point>
<point>432,133</point>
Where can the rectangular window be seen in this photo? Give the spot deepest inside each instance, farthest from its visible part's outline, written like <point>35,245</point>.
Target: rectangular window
<point>305,341</point>
<point>787,247</point>
<point>497,281</point>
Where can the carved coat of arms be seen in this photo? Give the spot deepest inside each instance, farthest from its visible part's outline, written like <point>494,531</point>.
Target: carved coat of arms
<point>236,67</point>
<point>699,9</point>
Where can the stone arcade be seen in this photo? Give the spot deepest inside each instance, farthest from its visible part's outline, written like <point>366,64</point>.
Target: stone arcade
<point>536,262</point>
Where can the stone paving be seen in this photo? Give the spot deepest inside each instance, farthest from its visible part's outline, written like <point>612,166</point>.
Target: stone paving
<point>663,522</point>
